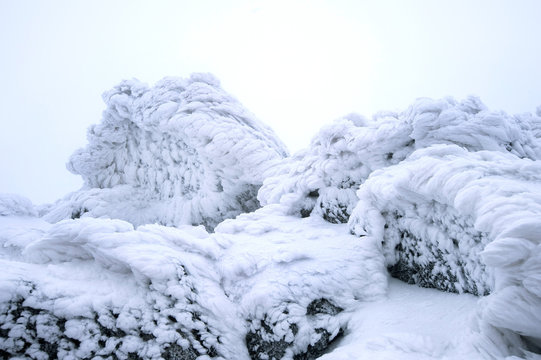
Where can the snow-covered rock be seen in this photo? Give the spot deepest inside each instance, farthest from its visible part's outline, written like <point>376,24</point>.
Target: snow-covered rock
<point>181,152</point>
<point>263,285</point>
<point>284,274</point>
<point>464,222</point>
<point>324,178</point>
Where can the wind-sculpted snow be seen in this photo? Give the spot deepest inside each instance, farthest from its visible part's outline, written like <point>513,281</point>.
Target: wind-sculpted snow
<point>182,152</point>
<point>324,178</point>
<point>465,222</point>
<point>263,285</point>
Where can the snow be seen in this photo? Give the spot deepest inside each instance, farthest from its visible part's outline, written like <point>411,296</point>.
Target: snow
<point>410,323</point>
<point>196,237</point>
<point>325,177</point>
<point>181,152</point>
<point>136,279</point>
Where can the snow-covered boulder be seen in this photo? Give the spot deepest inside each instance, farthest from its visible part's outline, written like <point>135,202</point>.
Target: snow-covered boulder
<point>296,280</point>
<point>263,285</point>
<point>464,222</point>
<point>323,179</point>
<point>181,152</point>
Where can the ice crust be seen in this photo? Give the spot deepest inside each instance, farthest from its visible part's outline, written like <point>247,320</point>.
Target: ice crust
<point>445,195</point>
<point>181,152</point>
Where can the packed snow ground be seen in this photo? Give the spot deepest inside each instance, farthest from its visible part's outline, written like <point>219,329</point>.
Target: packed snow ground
<point>145,261</point>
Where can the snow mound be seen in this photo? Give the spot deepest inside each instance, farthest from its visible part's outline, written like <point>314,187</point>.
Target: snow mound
<point>263,285</point>
<point>464,222</point>
<point>324,178</point>
<point>16,205</point>
<point>181,152</point>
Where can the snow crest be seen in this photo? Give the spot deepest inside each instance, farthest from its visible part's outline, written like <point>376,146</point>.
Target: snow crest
<point>182,152</point>
<point>324,178</point>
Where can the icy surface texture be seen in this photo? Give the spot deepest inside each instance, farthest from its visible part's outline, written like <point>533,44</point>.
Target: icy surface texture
<point>265,284</point>
<point>181,152</point>
<point>325,177</point>
<point>464,222</point>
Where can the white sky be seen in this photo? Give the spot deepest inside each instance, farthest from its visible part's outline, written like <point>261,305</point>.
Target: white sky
<point>295,64</point>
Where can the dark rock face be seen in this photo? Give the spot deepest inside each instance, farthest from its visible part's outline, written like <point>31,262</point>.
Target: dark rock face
<point>338,214</point>
<point>322,306</point>
<point>429,263</point>
<point>260,348</point>
<point>319,347</point>
<point>264,343</point>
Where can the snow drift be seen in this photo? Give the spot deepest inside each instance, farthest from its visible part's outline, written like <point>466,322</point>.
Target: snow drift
<point>324,178</point>
<point>182,152</point>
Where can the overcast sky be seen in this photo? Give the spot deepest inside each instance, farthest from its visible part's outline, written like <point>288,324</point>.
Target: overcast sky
<point>295,64</point>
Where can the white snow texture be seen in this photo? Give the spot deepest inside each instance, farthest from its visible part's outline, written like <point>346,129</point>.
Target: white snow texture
<point>182,152</point>
<point>445,195</point>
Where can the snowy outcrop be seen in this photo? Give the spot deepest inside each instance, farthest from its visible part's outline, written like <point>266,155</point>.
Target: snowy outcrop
<point>263,285</point>
<point>464,222</point>
<point>324,178</point>
<point>181,152</point>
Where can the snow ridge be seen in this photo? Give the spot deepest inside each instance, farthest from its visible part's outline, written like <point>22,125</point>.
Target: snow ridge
<point>182,152</point>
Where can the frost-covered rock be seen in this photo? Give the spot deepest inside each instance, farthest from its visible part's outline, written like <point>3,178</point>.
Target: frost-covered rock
<point>263,285</point>
<point>324,178</point>
<point>16,205</point>
<point>284,274</point>
<point>181,152</point>
<point>464,222</point>
<point>97,288</point>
